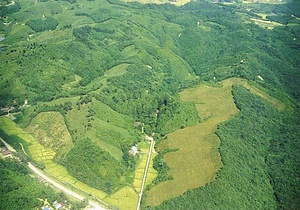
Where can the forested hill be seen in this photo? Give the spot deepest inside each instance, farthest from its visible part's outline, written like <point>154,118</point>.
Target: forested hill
<point>61,39</point>
<point>86,77</point>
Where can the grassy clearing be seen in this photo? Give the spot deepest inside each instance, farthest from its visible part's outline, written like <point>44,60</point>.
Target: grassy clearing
<point>125,199</point>
<point>266,23</point>
<point>72,84</point>
<point>50,130</point>
<point>197,160</point>
<point>275,102</point>
<point>177,3</point>
<point>117,70</point>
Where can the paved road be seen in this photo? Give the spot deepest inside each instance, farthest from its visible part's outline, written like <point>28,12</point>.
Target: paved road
<point>8,146</point>
<point>63,188</point>
<point>146,170</point>
<point>54,183</point>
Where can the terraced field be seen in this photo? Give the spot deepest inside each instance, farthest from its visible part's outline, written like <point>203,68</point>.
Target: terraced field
<point>45,156</point>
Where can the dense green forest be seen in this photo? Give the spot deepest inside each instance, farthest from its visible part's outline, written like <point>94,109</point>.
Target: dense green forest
<point>20,191</point>
<point>86,160</point>
<point>107,66</point>
<point>260,164</point>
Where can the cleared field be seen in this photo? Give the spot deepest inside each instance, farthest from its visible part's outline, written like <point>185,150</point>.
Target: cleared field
<point>125,199</point>
<point>51,131</point>
<point>177,3</point>
<point>266,23</point>
<point>117,70</point>
<point>197,160</point>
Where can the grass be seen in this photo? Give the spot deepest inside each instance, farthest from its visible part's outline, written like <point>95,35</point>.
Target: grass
<point>50,130</point>
<point>45,155</point>
<point>197,160</point>
<point>266,23</point>
<point>117,70</point>
<point>177,3</point>
<point>255,90</point>
<point>124,199</point>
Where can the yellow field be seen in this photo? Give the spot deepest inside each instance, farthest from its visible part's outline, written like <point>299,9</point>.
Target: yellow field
<point>140,168</point>
<point>124,199</point>
<point>197,160</point>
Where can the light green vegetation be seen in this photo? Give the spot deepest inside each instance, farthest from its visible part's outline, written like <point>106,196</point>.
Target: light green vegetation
<point>45,156</point>
<point>140,169</point>
<point>50,130</point>
<point>125,198</point>
<point>113,68</point>
<point>177,3</point>
<point>266,23</point>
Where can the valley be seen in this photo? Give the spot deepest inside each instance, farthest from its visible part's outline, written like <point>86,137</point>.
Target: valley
<point>152,105</point>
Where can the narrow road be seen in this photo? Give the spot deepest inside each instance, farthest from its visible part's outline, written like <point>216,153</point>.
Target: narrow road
<point>145,171</point>
<point>63,188</point>
<point>8,146</point>
<point>54,183</point>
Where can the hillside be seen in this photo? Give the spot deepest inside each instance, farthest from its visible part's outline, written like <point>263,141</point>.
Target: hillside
<point>215,83</point>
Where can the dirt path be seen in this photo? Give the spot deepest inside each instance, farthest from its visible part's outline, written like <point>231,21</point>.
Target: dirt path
<point>146,170</point>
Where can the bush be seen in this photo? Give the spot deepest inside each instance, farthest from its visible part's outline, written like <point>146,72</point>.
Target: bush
<point>42,24</point>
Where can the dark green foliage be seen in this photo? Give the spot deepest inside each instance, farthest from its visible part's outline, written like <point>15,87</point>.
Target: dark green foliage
<point>44,68</point>
<point>13,140</point>
<point>284,162</point>
<point>92,165</point>
<point>20,191</point>
<point>251,177</point>
<point>6,10</point>
<point>70,1</point>
<point>44,24</point>
<point>176,115</point>
<point>162,168</point>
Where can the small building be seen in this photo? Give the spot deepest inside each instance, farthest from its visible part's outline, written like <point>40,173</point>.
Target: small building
<point>58,205</point>
<point>134,150</point>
